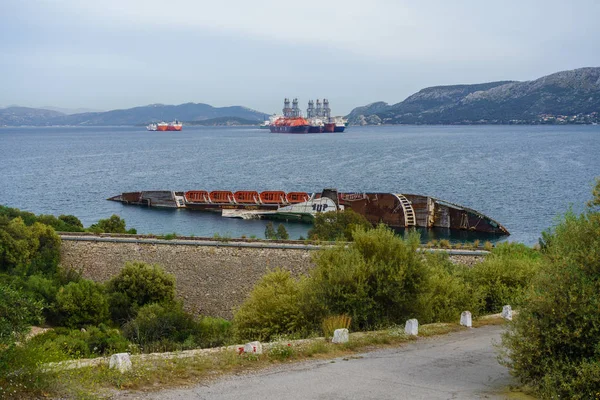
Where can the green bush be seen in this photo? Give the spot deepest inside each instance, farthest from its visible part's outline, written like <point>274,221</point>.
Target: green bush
<point>83,343</point>
<point>22,371</point>
<point>64,223</point>
<point>279,234</point>
<point>444,294</point>
<point>282,233</point>
<point>276,306</point>
<point>504,276</point>
<point>554,344</point>
<point>337,225</point>
<point>162,327</point>
<point>114,224</point>
<point>28,249</point>
<point>374,280</point>
<point>82,303</point>
<point>18,311</point>
<point>213,332</point>
<point>136,285</point>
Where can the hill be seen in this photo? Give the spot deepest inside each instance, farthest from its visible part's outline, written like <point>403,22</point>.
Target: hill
<point>564,97</point>
<point>224,121</point>
<point>15,116</point>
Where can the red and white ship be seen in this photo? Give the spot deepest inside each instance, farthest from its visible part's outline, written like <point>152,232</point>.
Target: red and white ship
<point>171,126</point>
<point>174,126</point>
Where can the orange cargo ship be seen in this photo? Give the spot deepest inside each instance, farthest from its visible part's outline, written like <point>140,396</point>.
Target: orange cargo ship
<point>174,126</point>
<point>171,126</point>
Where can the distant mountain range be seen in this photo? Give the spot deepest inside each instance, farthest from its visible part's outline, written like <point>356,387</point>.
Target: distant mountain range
<point>189,112</point>
<point>225,121</point>
<point>564,97</point>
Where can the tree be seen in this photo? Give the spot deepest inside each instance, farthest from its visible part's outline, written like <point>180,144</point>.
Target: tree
<point>136,285</point>
<point>279,234</point>
<point>276,306</point>
<point>18,312</point>
<point>337,225</point>
<point>71,221</point>
<point>374,280</point>
<point>82,303</point>
<point>270,231</point>
<point>28,249</point>
<point>554,344</point>
<point>282,233</point>
<point>114,224</point>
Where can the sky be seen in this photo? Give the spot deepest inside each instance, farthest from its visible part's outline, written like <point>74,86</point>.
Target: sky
<point>113,54</point>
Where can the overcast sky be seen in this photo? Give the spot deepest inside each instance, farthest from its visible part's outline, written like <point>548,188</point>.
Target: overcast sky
<point>107,54</point>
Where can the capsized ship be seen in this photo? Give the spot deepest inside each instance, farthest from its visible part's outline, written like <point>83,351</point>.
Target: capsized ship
<point>393,209</point>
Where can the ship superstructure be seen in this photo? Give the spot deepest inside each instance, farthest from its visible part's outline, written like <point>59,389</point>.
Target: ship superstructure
<point>292,120</point>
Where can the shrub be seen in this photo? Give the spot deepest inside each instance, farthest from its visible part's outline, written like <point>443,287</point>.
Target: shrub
<point>82,303</point>
<point>18,311</point>
<point>282,233</point>
<point>47,250</point>
<point>331,323</point>
<point>445,244</point>
<point>162,327</point>
<point>64,223</point>
<point>374,279</point>
<point>276,306</point>
<point>44,290</point>
<point>22,374</point>
<point>85,343</point>
<point>214,332</point>
<point>337,225</point>
<point>279,234</point>
<point>136,285</point>
<point>270,231</point>
<point>444,294</point>
<point>114,224</point>
<point>504,276</point>
<point>281,351</point>
<point>554,344</point>
<point>28,249</point>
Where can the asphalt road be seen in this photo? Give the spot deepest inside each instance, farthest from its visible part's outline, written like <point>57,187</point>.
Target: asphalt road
<point>460,365</point>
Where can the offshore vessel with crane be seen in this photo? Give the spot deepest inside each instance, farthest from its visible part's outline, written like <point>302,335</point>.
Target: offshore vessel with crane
<point>318,119</point>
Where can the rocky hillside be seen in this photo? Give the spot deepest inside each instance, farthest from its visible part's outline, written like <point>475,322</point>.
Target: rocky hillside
<point>16,116</point>
<point>568,96</point>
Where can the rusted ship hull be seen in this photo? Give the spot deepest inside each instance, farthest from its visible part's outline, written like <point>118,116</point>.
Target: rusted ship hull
<point>393,209</point>
<point>409,210</point>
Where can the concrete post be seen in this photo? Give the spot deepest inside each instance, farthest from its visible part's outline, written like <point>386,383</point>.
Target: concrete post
<point>340,336</point>
<point>465,319</point>
<point>507,312</point>
<point>120,361</point>
<point>253,348</point>
<point>412,327</point>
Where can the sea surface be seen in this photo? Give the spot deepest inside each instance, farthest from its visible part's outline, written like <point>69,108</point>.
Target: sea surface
<point>522,176</point>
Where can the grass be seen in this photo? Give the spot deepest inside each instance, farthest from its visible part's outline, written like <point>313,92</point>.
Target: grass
<point>155,373</point>
<point>330,324</point>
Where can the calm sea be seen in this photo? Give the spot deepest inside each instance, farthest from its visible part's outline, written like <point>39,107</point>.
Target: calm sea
<point>522,176</point>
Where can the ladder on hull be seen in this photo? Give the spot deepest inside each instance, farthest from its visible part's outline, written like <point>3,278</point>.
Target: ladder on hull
<point>409,213</point>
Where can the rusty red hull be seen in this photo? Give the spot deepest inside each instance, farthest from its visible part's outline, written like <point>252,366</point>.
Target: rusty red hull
<point>393,209</point>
